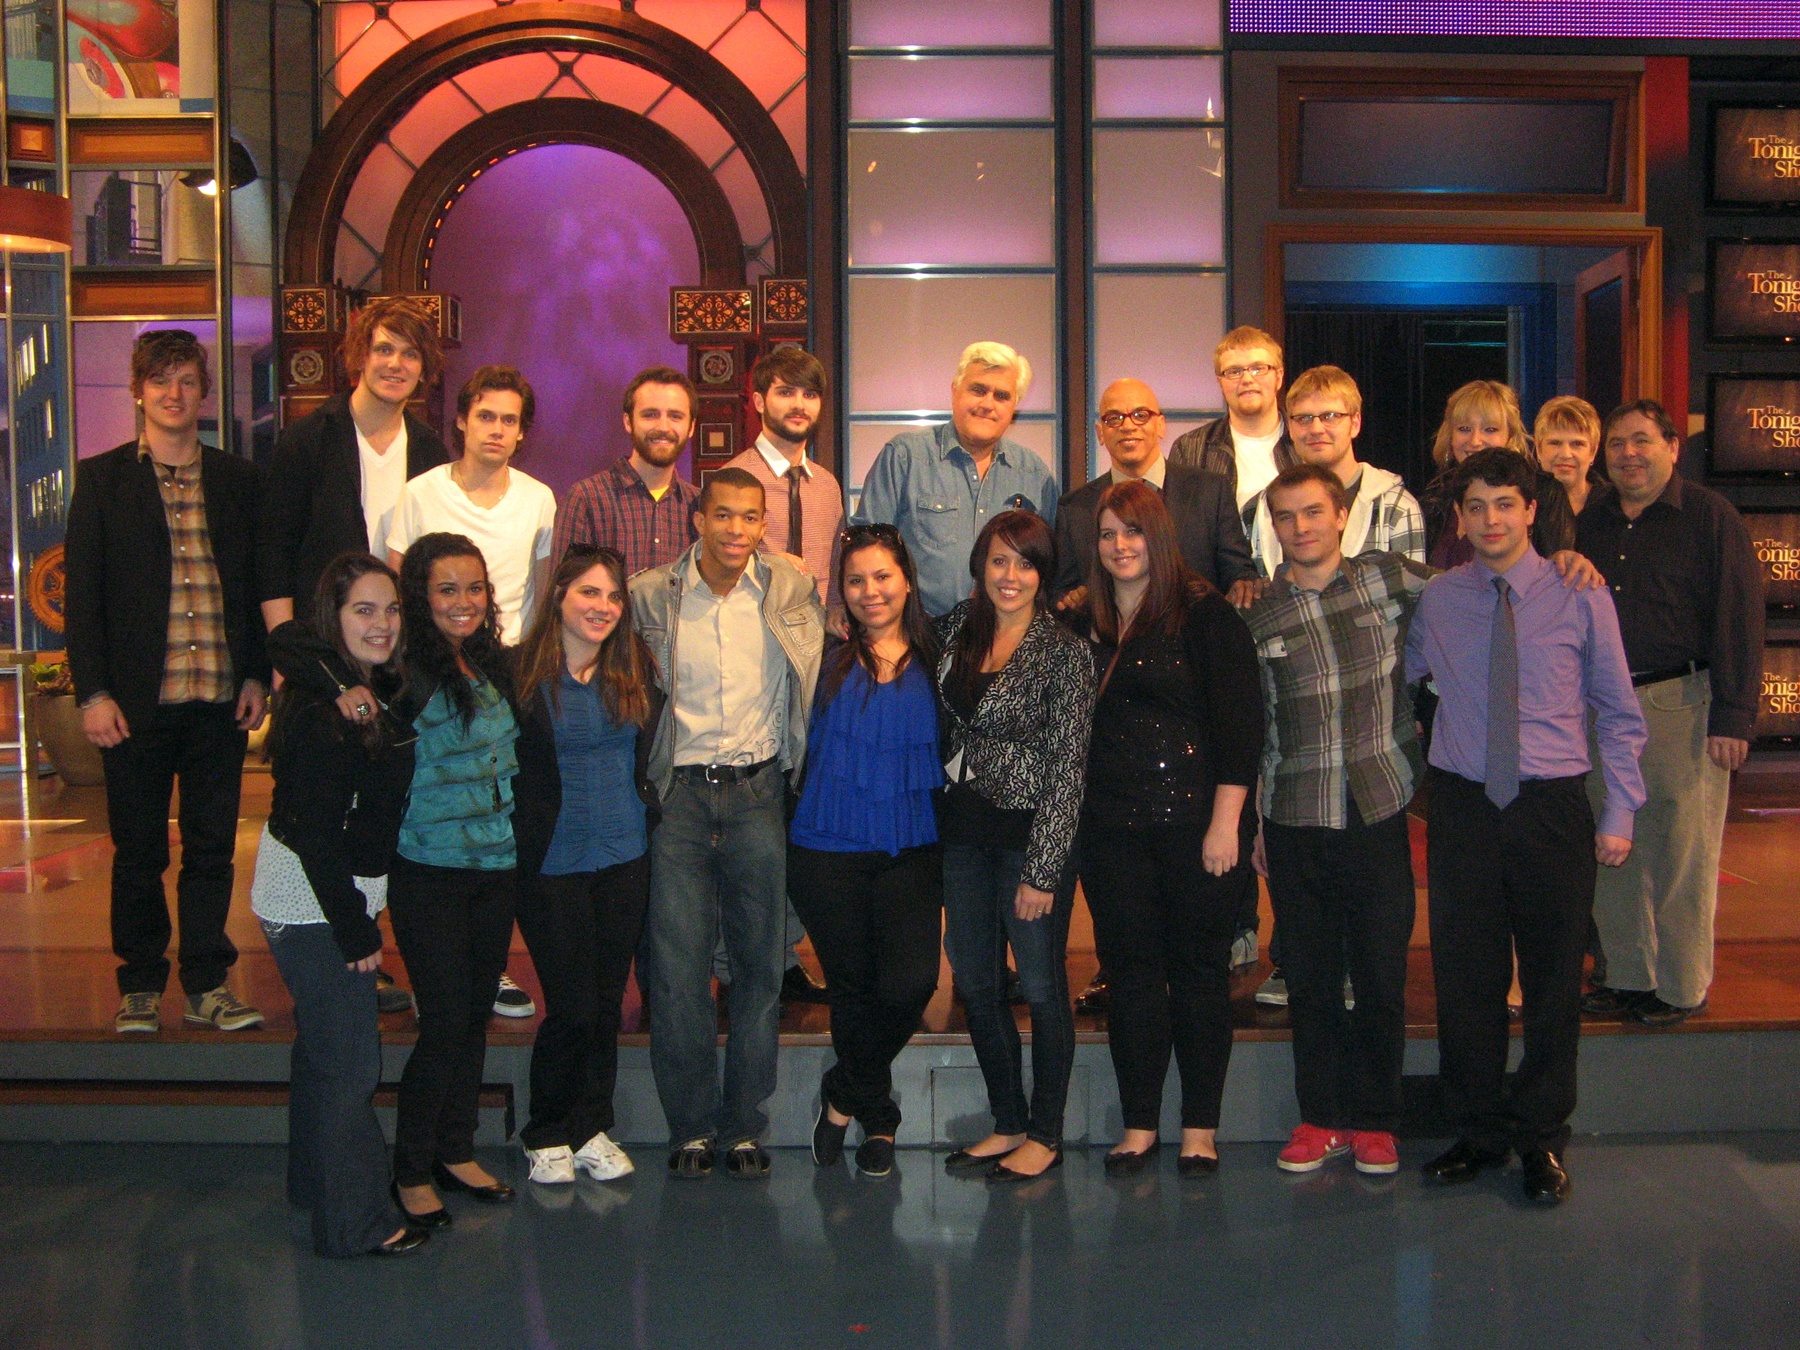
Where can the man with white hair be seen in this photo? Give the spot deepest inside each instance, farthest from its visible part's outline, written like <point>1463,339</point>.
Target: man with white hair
<point>939,485</point>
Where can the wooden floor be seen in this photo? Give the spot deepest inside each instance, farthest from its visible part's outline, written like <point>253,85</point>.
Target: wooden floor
<point>56,964</point>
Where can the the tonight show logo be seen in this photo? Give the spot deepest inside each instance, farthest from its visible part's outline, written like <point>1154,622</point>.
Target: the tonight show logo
<point>1781,695</point>
<point>1782,288</point>
<point>1781,424</point>
<point>1782,152</point>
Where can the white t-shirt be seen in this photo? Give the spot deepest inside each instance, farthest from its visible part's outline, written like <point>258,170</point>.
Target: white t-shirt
<point>383,477</point>
<point>513,534</point>
<point>1255,463</point>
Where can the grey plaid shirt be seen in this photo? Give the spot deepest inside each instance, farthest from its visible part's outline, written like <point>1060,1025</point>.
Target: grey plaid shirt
<point>1339,721</point>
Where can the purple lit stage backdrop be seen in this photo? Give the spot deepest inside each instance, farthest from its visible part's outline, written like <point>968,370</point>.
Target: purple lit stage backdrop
<point>563,256</point>
<point>1724,19</point>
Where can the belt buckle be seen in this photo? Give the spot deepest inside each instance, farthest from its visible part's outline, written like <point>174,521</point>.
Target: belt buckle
<point>716,773</point>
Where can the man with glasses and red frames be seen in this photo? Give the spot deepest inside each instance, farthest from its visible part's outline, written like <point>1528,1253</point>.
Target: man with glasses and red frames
<point>1249,445</point>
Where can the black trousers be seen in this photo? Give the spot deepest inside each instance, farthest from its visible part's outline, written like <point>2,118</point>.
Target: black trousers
<point>876,921</point>
<point>581,930</point>
<point>1164,928</point>
<point>1345,898</point>
<point>453,926</point>
<point>1519,880</point>
<point>199,746</point>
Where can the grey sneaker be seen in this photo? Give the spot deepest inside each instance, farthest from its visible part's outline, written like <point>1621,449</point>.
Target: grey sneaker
<point>512,1001</point>
<point>139,1013</point>
<point>1273,993</point>
<point>1243,950</point>
<point>221,1008</point>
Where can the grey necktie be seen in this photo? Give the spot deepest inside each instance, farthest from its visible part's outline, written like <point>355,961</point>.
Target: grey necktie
<point>1503,702</point>
<point>794,476</point>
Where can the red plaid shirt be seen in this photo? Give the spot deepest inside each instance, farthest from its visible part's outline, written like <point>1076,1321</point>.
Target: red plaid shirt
<point>613,509</point>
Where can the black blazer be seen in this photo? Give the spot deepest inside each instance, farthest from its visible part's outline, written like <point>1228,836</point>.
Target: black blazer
<point>117,602</point>
<point>312,508</point>
<point>1203,506</point>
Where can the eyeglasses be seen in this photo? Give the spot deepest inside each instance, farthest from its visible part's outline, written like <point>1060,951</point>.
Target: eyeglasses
<point>1324,419</point>
<point>1139,416</point>
<point>1234,374</point>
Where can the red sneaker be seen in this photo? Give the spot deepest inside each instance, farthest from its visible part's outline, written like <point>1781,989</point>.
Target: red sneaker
<point>1375,1151</point>
<point>1309,1146</point>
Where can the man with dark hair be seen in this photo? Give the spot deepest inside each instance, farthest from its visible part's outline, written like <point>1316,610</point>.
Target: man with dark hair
<point>1689,593</point>
<point>639,507</point>
<point>1340,762</point>
<point>737,636</point>
<point>337,473</point>
<point>166,647</point>
<point>1513,841</point>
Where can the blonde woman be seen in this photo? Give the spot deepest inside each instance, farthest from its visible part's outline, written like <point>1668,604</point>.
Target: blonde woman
<point>1484,415</point>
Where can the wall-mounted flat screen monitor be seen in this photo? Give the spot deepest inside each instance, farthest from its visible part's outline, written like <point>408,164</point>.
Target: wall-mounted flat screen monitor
<point>1778,713</point>
<point>1755,287</point>
<point>1775,535</point>
<point>1753,424</point>
<point>1755,157</point>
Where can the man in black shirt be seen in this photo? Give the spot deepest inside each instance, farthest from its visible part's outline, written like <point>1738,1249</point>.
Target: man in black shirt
<point>1689,596</point>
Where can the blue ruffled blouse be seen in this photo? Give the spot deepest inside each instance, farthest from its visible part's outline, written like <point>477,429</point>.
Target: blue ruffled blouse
<point>872,765</point>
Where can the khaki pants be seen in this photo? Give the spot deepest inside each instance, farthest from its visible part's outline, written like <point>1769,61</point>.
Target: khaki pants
<point>1655,913</point>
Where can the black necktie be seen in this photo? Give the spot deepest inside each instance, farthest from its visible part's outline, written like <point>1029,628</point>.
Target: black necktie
<point>1503,702</point>
<point>793,476</point>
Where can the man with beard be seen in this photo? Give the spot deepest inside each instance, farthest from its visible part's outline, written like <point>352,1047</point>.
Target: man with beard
<point>639,506</point>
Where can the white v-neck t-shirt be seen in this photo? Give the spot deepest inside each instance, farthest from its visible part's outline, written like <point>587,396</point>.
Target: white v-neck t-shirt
<point>383,479</point>
<point>513,534</point>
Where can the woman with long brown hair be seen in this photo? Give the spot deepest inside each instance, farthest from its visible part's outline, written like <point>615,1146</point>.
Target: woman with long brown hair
<point>584,811</point>
<point>1177,736</point>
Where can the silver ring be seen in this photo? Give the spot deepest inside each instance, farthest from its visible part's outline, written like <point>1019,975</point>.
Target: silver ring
<point>362,709</point>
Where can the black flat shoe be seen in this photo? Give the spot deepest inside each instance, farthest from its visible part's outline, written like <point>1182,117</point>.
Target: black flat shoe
<point>827,1137</point>
<point>1653,1012</point>
<point>1002,1175</point>
<point>499,1193</point>
<point>431,1218</point>
<point>1461,1162</point>
<point>875,1156</point>
<point>1129,1164</point>
<point>1546,1180</point>
<point>797,986</point>
<point>1196,1165</point>
<point>963,1163</point>
<point>409,1241</point>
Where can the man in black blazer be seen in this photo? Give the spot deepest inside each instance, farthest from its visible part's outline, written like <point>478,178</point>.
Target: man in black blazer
<point>338,472</point>
<point>166,647</point>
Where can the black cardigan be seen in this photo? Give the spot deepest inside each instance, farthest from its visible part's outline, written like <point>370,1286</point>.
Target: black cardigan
<point>117,602</point>
<point>313,506</point>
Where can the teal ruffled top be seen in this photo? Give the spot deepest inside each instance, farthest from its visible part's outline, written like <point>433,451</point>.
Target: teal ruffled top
<point>460,810</point>
<point>872,765</point>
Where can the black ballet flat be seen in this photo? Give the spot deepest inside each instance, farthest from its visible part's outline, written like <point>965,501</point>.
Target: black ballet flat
<point>1002,1175</point>
<point>963,1163</point>
<point>431,1218</point>
<point>1129,1164</point>
<point>409,1241</point>
<point>497,1194</point>
<point>1196,1165</point>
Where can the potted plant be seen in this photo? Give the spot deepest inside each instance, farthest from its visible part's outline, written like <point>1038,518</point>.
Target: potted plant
<point>58,723</point>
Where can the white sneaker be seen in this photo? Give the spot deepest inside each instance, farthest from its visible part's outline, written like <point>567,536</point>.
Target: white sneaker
<point>1274,991</point>
<point>552,1166</point>
<point>603,1160</point>
<point>1243,950</point>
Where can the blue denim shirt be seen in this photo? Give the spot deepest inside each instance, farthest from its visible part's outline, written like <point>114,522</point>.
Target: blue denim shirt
<point>924,483</point>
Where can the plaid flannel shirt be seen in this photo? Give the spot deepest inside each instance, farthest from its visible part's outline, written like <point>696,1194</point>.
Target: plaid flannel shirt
<point>197,668</point>
<point>613,509</point>
<point>1340,724</point>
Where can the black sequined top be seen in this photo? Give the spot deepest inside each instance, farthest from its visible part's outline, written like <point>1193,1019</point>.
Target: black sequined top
<point>1181,714</point>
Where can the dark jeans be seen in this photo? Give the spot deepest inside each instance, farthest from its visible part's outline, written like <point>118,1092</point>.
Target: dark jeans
<point>718,862</point>
<point>1345,897</point>
<point>199,745</point>
<point>874,919</point>
<point>1164,927</point>
<point>979,925</point>
<point>581,930</point>
<point>337,1157</point>
<point>1519,880</point>
<point>453,926</point>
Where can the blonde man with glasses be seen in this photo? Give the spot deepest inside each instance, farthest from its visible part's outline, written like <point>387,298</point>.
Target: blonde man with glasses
<point>1249,445</point>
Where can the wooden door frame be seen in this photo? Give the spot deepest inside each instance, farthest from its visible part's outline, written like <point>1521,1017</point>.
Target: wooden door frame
<point>1642,243</point>
<point>1616,268</point>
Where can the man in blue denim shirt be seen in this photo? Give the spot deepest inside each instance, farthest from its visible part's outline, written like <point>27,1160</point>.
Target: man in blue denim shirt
<point>940,485</point>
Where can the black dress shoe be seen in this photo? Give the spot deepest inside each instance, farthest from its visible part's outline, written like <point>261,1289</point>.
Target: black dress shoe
<point>1604,1001</point>
<point>963,1163</point>
<point>692,1160</point>
<point>827,1137</point>
<point>1002,1175</point>
<point>431,1218</point>
<point>1546,1180</point>
<point>875,1156</point>
<point>498,1193</point>
<point>1462,1161</point>
<point>748,1161</point>
<point>1196,1165</point>
<point>1096,999</point>
<point>799,987</point>
<point>409,1241</point>
<point>390,997</point>
<point>1653,1012</point>
<point>1129,1164</point>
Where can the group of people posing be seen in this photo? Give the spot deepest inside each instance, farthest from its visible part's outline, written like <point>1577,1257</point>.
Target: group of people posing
<point>684,725</point>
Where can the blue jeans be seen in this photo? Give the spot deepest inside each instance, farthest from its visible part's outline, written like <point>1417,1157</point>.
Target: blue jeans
<point>337,1157</point>
<point>979,924</point>
<point>718,864</point>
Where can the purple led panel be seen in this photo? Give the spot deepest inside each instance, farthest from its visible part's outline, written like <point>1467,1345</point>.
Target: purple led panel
<point>1741,20</point>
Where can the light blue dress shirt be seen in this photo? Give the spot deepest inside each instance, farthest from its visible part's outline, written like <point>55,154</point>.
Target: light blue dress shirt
<point>925,484</point>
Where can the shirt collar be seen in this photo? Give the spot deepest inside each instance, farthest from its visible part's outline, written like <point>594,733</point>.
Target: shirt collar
<point>779,463</point>
<point>1530,567</point>
<point>1157,475</point>
<point>180,470</point>
<point>948,444</point>
<point>752,576</point>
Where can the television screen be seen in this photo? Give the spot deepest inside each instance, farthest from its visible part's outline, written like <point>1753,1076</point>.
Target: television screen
<point>1754,424</point>
<point>1775,535</point>
<point>1755,290</point>
<point>1779,713</point>
<point>1755,157</point>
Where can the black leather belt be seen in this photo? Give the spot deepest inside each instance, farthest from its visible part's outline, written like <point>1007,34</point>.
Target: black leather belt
<point>1640,678</point>
<point>722,773</point>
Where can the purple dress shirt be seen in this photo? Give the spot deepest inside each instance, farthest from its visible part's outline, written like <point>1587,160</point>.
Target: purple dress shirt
<point>1571,659</point>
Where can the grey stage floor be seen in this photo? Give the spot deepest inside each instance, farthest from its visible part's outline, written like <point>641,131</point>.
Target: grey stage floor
<point>1669,1242</point>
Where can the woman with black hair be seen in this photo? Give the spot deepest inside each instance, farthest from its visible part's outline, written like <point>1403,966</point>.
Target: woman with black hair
<point>1018,689</point>
<point>864,868</point>
<point>585,806</point>
<point>321,878</point>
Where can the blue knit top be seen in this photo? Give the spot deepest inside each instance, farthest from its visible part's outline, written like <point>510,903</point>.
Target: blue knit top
<point>603,822</point>
<point>460,810</point>
<point>872,765</point>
